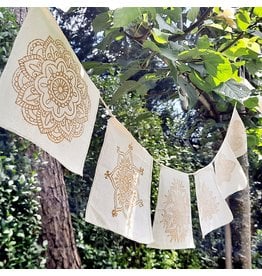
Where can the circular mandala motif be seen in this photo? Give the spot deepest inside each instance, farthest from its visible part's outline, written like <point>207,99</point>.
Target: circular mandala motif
<point>51,92</point>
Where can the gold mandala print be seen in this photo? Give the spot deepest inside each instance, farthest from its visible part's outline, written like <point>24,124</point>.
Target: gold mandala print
<point>175,216</point>
<point>125,178</point>
<point>208,204</point>
<point>51,92</point>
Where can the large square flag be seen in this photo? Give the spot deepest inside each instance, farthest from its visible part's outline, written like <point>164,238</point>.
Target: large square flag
<point>46,95</point>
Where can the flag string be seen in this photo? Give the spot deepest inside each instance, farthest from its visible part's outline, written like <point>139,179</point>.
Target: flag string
<point>110,113</point>
<point>108,110</point>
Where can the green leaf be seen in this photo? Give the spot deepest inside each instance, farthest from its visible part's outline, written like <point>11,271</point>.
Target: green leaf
<point>188,89</point>
<point>199,68</point>
<point>125,87</point>
<point>199,82</point>
<point>253,46</point>
<point>193,13</point>
<point>21,235</point>
<point>163,25</point>
<point>203,42</point>
<point>160,37</point>
<point>125,16</point>
<point>218,26</point>
<point>97,67</point>
<point>173,13</point>
<point>243,20</point>
<point>110,36</point>
<point>254,66</point>
<point>101,22</point>
<point>168,53</point>
<point>234,90</point>
<point>142,89</point>
<point>258,11</point>
<point>182,67</point>
<point>218,66</point>
<point>151,45</point>
<point>132,69</point>
<point>173,71</point>
<point>189,55</point>
<point>251,102</point>
<point>252,141</point>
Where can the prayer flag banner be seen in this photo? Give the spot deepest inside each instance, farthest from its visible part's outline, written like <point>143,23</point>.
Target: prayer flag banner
<point>212,207</point>
<point>172,228</point>
<point>230,176</point>
<point>46,95</point>
<point>236,135</point>
<point>120,195</point>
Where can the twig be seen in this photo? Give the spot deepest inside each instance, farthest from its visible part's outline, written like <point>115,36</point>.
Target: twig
<point>176,37</point>
<point>232,42</point>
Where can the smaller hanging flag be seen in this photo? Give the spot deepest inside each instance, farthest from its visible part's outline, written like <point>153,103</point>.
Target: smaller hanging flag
<point>236,135</point>
<point>120,195</point>
<point>46,95</point>
<point>212,207</point>
<point>230,176</point>
<point>172,228</point>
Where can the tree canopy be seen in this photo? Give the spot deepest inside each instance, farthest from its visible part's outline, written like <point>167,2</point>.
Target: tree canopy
<point>172,75</point>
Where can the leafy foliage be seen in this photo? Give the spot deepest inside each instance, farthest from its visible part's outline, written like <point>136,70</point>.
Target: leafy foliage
<point>151,65</point>
<point>8,31</point>
<point>209,64</point>
<point>20,223</point>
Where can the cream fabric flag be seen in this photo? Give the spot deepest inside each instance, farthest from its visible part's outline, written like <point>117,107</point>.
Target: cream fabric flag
<point>45,93</point>
<point>120,195</point>
<point>230,176</point>
<point>236,135</point>
<point>212,207</point>
<point>172,228</point>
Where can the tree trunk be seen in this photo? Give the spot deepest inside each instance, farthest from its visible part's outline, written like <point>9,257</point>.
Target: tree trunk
<point>241,225</point>
<point>56,218</point>
<point>228,245</point>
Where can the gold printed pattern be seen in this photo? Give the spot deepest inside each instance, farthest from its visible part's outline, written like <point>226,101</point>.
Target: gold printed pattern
<point>236,137</point>
<point>51,92</point>
<point>225,167</point>
<point>208,204</point>
<point>125,178</point>
<point>174,217</point>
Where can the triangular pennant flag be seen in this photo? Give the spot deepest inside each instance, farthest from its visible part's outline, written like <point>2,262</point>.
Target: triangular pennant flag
<point>212,207</point>
<point>172,228</point>
<point>45,93</point>
<point>230,176</point>
<point>120,195</point>
<point>236,135</point>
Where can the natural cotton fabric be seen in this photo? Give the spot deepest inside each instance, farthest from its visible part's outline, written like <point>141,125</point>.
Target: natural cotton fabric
<point>230,177</point>
<point>172,228</point>
<point>120,195</point>
<point>236,135</point>
<point>45,93</point>
<point>212,207</point>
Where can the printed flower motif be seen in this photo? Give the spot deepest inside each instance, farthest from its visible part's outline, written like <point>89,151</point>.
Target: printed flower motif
<point>51,92</point>
<point>208,203</point>
<point>175,219</point>
<point>124,179</point>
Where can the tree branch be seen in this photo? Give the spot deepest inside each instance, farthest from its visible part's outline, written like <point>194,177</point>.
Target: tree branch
<point>176,37</point>
<point>232,42</point>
